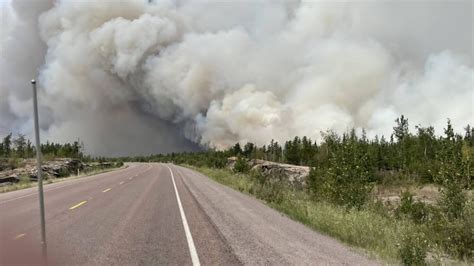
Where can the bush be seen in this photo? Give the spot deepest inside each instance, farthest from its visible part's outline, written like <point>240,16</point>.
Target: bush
<point>25,179</point>
<point>452,200</point>
<point>241,166</point>
<point>63,172</point>
<point>456,236</point>
<point>417,211</point>
<point>459,239</point>
<point>15,162</point>
<point>413,248</point>
<point>347,180</point>
<point>270,189</point>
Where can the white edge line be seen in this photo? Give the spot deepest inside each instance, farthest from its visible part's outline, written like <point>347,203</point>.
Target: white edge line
<point>189,237</point>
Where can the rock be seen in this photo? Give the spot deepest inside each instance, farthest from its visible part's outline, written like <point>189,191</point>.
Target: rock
<point>59,168</point>
<point>9,178</point>
<point>295,174</point>
<point>51,169</point>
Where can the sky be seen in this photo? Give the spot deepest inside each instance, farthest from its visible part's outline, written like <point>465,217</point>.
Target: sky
<point>130,77</point>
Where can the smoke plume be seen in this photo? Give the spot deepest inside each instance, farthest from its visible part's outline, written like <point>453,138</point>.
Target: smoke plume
<point>133,77</point>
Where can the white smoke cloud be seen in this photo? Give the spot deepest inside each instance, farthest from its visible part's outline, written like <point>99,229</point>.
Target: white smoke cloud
<point>137,77</point>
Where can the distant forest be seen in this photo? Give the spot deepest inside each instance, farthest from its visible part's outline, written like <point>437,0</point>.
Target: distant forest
<point>21,147</point>
<point>420,155</point>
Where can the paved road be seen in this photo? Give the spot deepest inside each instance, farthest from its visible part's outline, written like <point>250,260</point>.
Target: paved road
<point>155,214</point>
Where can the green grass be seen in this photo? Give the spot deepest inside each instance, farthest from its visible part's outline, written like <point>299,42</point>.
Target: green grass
<point>376,232</point>
<point>25,181</point>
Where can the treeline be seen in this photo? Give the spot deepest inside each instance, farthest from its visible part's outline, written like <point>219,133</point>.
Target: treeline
<point>402,155</point>
<point>21,147</point>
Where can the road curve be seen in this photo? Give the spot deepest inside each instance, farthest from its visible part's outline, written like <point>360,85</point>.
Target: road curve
<point>154,214</point>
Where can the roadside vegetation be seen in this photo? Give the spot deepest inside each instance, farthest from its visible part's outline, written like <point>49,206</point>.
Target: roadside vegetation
<point>339,198</point>
<point>413,233</point>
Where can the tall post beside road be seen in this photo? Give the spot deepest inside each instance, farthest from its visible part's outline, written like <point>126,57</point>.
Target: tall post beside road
<point>38,167</point>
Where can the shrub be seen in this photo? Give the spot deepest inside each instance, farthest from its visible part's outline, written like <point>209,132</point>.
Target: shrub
<point>452,200</point>
<point>456,236</point>
<point>63,172</point>
<point>459,239</point>
<point>15,162</point>
<point>241,165</point>
<point>270,189</point>
<point>25,179</point>
<point>410,208</point>
<point>413,247</point>
<point>347,180</point>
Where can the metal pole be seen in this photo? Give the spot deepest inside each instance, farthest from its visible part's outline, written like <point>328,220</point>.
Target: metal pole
<point>38,166</point>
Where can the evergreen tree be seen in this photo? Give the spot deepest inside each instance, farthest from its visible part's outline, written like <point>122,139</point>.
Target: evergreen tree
<point>469,135</point>
<point>7,142</point>
<point>20,145</point>
<point>249,150</point>
<point>401,133</point>
<point>450,175</point>
<point>236,150</point>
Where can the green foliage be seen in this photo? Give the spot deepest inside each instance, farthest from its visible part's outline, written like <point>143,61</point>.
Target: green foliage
<point>25,179</point>
<point>459,239</point>
<point>241,165</point>
<point>413,248</point>
<point>452,200</point>
<point>451,175</point>
<point>236,150</point>
<point>6,145</point>
<point>417,211</point>
<point>63,172</point>
<point>249,150</point>
<point>347,181</point>
<point>455,236</point>
<point>15,162</point>
<point>21,147</point>
<point>270,189</point>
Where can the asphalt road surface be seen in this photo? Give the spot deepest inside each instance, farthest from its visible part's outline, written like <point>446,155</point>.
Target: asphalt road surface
<point>157,214</point>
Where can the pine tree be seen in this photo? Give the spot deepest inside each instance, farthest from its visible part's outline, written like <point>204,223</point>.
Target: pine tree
<point>7,142</point>
<point>236,150</point>
<point>450,175</point>
<point>20,145</point>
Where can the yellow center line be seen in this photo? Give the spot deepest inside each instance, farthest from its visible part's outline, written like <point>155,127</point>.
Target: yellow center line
<point>78,205</point>
<point>106,190</point>
<point>19,236</point>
